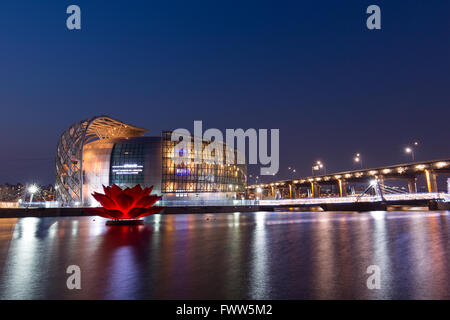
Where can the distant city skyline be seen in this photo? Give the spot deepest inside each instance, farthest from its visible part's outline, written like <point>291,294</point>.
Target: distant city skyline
<point>312,70</point>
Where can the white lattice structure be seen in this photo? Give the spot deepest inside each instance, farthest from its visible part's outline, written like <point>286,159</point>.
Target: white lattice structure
<point>69,153</point>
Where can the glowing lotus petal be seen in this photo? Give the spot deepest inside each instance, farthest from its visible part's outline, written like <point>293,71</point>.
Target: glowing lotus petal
<point>130,203</point>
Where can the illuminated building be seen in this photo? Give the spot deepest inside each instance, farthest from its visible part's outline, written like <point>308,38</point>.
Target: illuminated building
<point>104,151</point>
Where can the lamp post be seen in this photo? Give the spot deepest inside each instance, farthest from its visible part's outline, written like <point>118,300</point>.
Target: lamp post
<point>55,192</point>
<point>32,190</point>
<point>322,166</point>
<point>317,166</point>
<point>358,159</point>
<point>258,191</point>
<point>256,178</point>
<point>410,149</point>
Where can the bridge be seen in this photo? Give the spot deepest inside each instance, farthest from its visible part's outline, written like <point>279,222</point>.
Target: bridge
<point>337,191</point>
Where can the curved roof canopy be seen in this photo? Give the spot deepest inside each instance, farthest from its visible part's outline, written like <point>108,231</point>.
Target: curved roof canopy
<point>69,153</point>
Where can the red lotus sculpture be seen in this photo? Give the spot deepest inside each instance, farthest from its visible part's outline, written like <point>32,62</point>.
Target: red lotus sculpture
<point>130,203</point>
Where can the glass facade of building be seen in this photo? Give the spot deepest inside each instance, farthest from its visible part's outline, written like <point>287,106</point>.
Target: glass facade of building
<point>127,164</point>
<point>206,176</point>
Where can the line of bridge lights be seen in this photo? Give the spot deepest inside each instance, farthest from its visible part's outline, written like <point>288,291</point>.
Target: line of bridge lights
<point>399,170</point>
<point>319,165</point>
<point>358,158</point>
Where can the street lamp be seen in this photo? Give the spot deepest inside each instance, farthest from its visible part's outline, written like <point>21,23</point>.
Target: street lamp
<point>322,166</point>
<point>411,149</point>
<point>55,190</point>
<point>256,178</point>
<point>32,190</point>
<point>318,165</point>
<point>258,190</point>
<point>358,159</point>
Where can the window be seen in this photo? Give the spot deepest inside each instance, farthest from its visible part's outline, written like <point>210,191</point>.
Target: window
<point>202,177</point>
<point>127,164</point>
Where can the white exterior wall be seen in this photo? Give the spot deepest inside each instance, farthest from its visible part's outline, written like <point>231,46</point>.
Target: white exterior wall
<point>96,163</point>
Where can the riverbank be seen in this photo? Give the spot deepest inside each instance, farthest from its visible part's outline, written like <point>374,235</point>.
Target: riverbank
<point>359,207</point>
<point>76,212</point>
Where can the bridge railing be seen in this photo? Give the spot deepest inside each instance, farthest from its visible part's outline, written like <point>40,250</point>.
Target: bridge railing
<point>305,201</point>
<point>202,203</point>
<point>418,196</point>
<point>353,199</point>
<point>302,201</point>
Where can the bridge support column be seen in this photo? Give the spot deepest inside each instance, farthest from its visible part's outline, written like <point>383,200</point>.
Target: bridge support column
<point>296,191</point>
<point>342,185</point>
<point>316,190</point>
<point>431,181</point>
<point>381,185</point>
<point>412,185</point>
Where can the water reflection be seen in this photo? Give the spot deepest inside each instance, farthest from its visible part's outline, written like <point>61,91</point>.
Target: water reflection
<point>381,256</point>
<point>261,255</point>
<point>24,250</point>
<point>324,260</point>
<point>259,272</point>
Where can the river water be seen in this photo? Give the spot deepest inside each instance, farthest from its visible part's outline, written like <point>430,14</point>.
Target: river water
<point>260,255</point>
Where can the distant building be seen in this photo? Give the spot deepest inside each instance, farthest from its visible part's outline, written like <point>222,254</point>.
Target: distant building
<point>11,192</point>
<point>104,151</point>
<point>14,193</point>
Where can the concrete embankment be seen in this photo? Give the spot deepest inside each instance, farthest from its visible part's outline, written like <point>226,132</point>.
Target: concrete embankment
<point>73,212</point>
<point>439,205</point>
<point>359,207</point>
<point>42,212</point>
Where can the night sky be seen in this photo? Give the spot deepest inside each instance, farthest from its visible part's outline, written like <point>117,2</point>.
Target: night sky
<point>310,68</point>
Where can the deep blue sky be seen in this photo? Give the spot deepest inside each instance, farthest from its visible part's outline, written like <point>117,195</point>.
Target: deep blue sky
<point>309,68</point>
